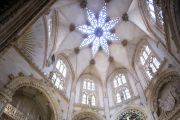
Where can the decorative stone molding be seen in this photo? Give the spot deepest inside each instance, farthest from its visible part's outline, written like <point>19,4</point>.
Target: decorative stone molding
<point>21,74</point>
<point>4,98</point>
<point>111,59</point>
<point>165,77</point>
<point>11,77</point>
<point>16,24</point>
<point>136,108</point>
<point>92,61</point>
<point>124,42</point>
<point>125,17</point>
<point>47,63</point>
<point>33,65</point>
<point>28,81</point>
<point>72,27</point>
<point>83,4</point>
<point>77,50</point>
<point>86,113</point>
<point>14,113</point>
<point>126,102</point>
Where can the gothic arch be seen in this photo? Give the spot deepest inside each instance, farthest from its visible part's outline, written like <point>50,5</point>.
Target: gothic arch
<point>169,75</point>
<point>136,108</point>
<point>97,83</point>
<point>80,115</point>
<point>110,83</point>
<point>29,81</point>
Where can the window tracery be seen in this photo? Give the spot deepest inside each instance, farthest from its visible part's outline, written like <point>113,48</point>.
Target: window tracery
<point>58,81</point>
<point>155,12</point>
<point>86,96</point>
<point>61,67</point>
<point>88,84</point>
<point>148,60</point>
<point>122,93</point>
<point>119,80</point>
<point>88,92</point>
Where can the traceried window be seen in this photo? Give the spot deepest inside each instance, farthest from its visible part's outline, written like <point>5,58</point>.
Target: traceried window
<point>149,61</point>
<point>88,84</point>
<point>151,8</point>
<point>50,27</point>
<point>119,80</point>
<point>122,94</point>
<point>86,96</point>
<point>58,81</point>
<point>155,12</point>
<point>61,67</point>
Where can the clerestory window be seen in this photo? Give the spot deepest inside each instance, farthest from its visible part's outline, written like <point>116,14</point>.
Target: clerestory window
<point>119,80</point>
<point>149,61</point>
<point>61,67</point>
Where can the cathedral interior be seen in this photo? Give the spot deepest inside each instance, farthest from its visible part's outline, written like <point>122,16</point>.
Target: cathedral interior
<point>90,60</point>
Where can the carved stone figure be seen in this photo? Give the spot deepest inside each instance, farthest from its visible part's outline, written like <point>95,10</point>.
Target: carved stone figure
<point>168,103</point>
<point>89,100</point>
<point>174,93</point>
<point>122,96</point>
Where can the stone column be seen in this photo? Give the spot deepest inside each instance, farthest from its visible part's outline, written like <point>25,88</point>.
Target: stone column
<point>4,100</point>
<point>71,105</point>
<point>143,100</point>
<point>106,106</point>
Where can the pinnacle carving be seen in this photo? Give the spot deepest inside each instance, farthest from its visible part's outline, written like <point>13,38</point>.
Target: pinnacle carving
<point>125,17</point>
<point>21,74</point>
<point>11,77</point>
<point>83,4</point>
<point>92,62</point>
<point>72,27</point>
<point>124,42</point>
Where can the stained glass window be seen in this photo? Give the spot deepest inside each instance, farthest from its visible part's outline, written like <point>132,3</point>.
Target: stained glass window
<point>58,81</point>
<point>88,84</point>
<point>84,99</point>
<point>122,92</point>
<point>151,8</point>
<point>149,61</point>
<point>119,80</point>
<point>118,98</point>
<point>93,101</point>
<point>61,67</point>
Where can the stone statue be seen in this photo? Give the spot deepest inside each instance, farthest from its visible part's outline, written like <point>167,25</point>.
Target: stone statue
<point>122,96</point>
<point>89,100</point>
<point>174,93</point>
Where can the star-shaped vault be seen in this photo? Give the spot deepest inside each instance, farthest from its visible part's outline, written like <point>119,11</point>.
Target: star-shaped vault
<point>99,31</point>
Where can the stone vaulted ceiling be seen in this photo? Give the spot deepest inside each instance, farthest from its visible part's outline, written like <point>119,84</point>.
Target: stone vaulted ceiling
<point>69,12</point>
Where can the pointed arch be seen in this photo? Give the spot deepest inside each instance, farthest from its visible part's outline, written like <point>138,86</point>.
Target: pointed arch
<point>80,115</point>
<point>29,81</point>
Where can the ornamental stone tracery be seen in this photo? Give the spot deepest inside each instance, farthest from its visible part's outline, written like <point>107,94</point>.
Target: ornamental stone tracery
<point>98,31</point>
<point>28,81</point>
